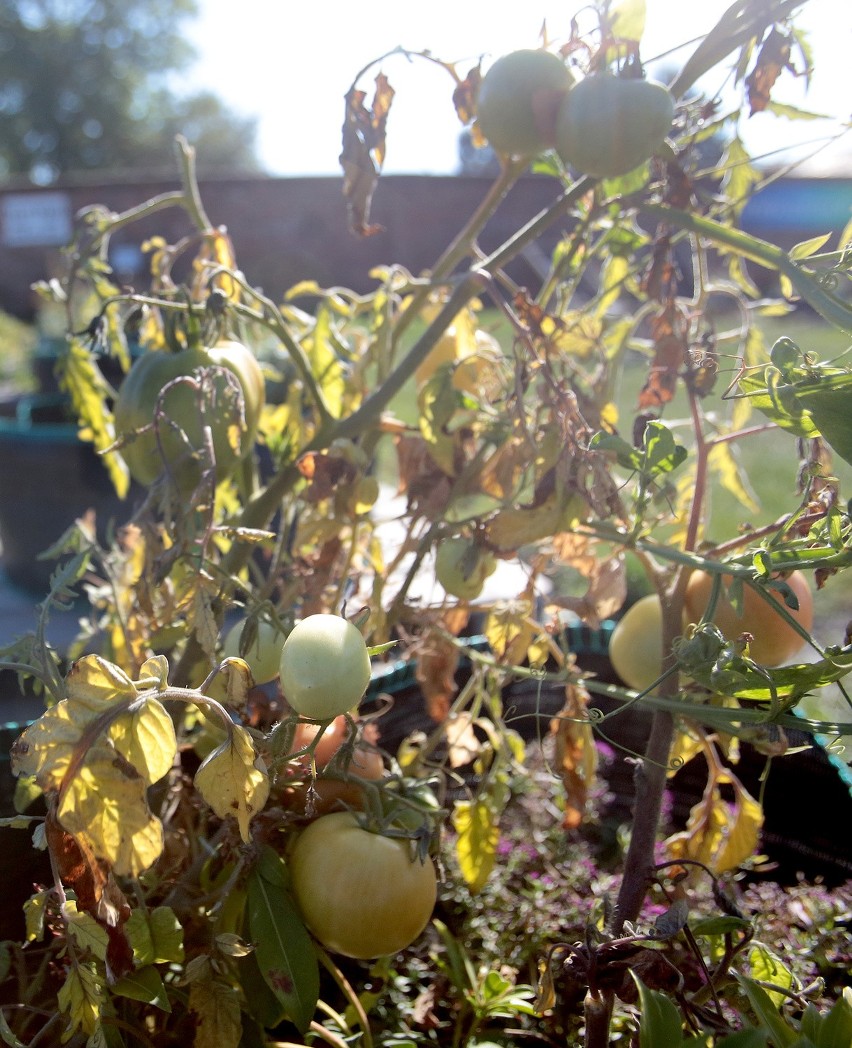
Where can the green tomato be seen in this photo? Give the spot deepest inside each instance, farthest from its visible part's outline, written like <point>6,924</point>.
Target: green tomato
<point>518,99</point>
<point>181,425</point>
<point>462,566</point>
<point>324,667</point>
<point>263,651</point>
<point>361,894</point>
<point>636,644</point>
<point>607,126</point>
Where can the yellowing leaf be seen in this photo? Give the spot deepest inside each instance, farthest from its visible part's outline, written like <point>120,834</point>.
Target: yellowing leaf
<point>233,780</point>
<point>217,1007</point>
<point>94,682</point>
<point>767,967</point>
<point>743,832</point>
<point>34,910</point>
<point>146,739</point>
<point>156,936</point>
<point>628,20</point>
<point>723,462</point>
<point>105,803</point>
<point>476,845</point>
<point>85,931</point>
<point>81,998</point>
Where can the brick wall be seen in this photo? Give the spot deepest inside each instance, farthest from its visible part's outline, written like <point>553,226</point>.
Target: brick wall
<point>284,230</point>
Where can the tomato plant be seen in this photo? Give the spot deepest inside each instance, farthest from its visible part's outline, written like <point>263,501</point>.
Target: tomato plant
<point>462,566</point>
<point>361,894</point>
<point>774,641</point>
<point>424,426</point>
<point>165,430</point>
<point>517,101</point>
<point>607,125</point>
<point>324,667</point>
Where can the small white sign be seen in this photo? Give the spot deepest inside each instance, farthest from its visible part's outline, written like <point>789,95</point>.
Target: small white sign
<point>36,219</point>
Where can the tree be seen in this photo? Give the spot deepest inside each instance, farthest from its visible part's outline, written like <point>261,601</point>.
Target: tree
<point>83,86</point>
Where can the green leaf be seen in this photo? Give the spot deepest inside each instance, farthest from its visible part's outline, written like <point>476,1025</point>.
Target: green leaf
<point>832,1030</point>
<point>7,1036</point>
<point>283,948</point>
<point>721,925</point>
<point>767,1014</point>
<point>806,248</point>
<point>660,1022</point>
<point>146,985</point>
<point>754,1038</point>
<point>263,1005</point>
<point>662,454</point>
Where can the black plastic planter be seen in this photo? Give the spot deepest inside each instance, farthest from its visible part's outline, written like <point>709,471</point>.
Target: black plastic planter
<point>48,478</point>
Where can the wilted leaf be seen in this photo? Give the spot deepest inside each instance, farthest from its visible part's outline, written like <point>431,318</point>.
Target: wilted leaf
<point>465,94</point>
<point>720,834</point>
<point>463,745</point>
<point>233,780</point>
<point>475,822</point>
<point>363,152</point>
<point>668,331</point>
<point>435,666</point>
<point>772,59</point>
<point>575,756</point>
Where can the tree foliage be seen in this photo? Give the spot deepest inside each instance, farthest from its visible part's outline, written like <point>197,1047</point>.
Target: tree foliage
<point>84,85</point>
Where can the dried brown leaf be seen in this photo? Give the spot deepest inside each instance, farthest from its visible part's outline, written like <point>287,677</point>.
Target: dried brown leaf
<point>363,152</point>
<point>772,60</point>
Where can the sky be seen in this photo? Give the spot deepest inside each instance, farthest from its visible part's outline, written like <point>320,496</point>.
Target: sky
<point>289,64</point>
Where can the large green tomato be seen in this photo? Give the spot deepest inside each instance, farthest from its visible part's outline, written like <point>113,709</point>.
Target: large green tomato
<point>181,426</point>
<point>361,894</point>
<point>461,566</point>
<point>636,644</point>
<point>324,667</point>
<point>518,100</point>
<point>606,125</point>
<point>774,641</point>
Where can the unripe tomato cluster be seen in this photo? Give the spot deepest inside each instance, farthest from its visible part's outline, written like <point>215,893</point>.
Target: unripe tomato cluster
<point>604,126</point>
<point>636,649</point>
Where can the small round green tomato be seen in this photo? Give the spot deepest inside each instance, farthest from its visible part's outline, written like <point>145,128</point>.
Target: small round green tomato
<point>607,125</point>
<point>182,423</point>
<point>518,99</point>
<point>263,653</point>
<point>636,644</point>
<point>361,894</point>
<point>324,667</point>
<point>461,566</point>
